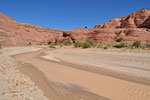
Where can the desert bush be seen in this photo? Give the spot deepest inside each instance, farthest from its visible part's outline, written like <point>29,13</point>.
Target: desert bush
<point>128,45</point>
<point>91,42</point>
<point>110,45</point>
<point>78,44</point>
<point>86,45</point>
<point>29,44</point>
<point>136,44</point>
<point>58,44</point>
<point>119,40</point>
<point>67,43</point>
<point>121,45</point>
<point>99,45</point>
<point>147,45</point>
<point>49,43</point>
<point>106,47</point>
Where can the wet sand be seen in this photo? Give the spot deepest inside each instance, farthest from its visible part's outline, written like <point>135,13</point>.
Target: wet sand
<point>91,83</point>
<point>54,90</point>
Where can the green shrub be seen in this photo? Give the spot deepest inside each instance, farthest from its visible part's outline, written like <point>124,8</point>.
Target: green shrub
<point>39,44</point>
<point>67,43</point>
<point>121,45</point>
<point>147,45</point>
<point>29,44</point>
<point>128,45</point>
<point>136,44</point>
<point>105,48</point>
<point>60,44</point>
<point>86,45</point>
<point>91,42</point>
<point>99,46</point>
<point>119,40</point>
<point>78,44</point>
<point>49,43</point>
<point>109,45</point>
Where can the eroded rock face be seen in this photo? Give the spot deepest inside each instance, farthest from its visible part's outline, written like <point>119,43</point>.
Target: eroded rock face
<point>135,20</point>
<point>130,28</point>
<point>18,34</point>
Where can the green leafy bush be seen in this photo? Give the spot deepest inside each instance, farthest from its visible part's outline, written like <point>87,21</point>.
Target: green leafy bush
<point>29,44</point>
<point>91,42</point>
<point>78,44</point>
<point>121,45</point>
<point>99,46</point>
<point>49,43</point>
<point>119,40</point>
<point>136,44</point>
<point>67,43</point>
<point>147,45</point>
<point>105,48</point>
<point>86,45</point>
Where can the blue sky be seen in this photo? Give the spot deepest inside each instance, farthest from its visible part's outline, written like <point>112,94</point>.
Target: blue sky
<point>69,14</point>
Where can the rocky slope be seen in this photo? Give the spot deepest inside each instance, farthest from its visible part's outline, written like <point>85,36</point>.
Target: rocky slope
<point>15,85</point>
<point>140,19</point>
<point>133,27</point>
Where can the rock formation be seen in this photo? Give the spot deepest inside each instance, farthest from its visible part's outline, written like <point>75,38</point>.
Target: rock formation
<point>130,28</point>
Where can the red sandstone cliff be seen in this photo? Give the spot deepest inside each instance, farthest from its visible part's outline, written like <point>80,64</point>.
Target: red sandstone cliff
<point>135,20</point>
<point>130,28</point>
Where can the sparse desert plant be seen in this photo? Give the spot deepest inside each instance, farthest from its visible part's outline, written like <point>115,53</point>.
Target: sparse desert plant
<point>106,47</point>
<point>86,45</point>
<point>49,43</point>
<point>121,45</point>
<point>119,40</point>
<point>128,45</point>
<point>67,43</point>
<point>136,44</point>
<point>91,42</point>
<point>78,44</point>
<point>99,45</point>
<point>60,44</point>
<point>109,45</point>
<point>29,44</point>
<point>39,44</point>
<point>147,45</point>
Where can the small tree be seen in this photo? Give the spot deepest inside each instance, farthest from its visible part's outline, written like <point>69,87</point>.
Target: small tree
<point>136,44</point>
<point>85,27</point>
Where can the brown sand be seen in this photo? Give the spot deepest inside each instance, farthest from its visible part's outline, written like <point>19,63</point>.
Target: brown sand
<point>53,90</point>
<point>109,87</point>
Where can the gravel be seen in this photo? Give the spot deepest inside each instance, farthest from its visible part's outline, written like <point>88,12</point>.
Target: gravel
<point>13,84</point>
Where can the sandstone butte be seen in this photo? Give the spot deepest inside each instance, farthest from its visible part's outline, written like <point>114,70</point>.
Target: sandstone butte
<point>131,28</point>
